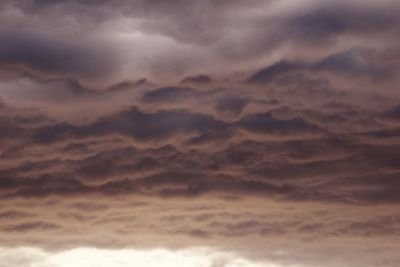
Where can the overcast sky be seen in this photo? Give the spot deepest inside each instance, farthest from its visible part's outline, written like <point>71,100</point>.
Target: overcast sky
<point>216,133</point>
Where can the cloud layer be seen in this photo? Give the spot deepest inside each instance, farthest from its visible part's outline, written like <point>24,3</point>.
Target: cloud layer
<point>268,128</point>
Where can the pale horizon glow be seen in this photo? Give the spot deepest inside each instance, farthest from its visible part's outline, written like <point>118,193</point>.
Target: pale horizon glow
<point>93,257</point>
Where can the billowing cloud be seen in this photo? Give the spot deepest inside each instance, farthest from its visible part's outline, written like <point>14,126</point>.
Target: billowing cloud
<point>268,130</point>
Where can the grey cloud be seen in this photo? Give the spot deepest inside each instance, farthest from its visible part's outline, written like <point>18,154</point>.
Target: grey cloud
<point>350,63</point>
<point>180,20</point>
<point>156,126</point>
<point>197,79</point>
<point>229,102</point>
<point>13,214</point>
<point>172,184</point>
<point>266,123</point>
<point>392,114</point>
<point>89,206</point>
<point>167,124</point>
<point>169,94</point>
<point>42,186</point>
<point>232,105</point>
<point>274,71</point>
<point>219,31</point>
<point>353,63</point>
<point>75,216</point>
<point>298,157</point>
<point>288,161</point>
<point>39,52</point>
<point>120,162</point>
<point>327,22</point>
<point>176,18</point>
<point>32,226</point>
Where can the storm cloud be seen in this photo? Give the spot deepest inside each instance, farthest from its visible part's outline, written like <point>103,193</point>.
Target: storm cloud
<point>270,129</point>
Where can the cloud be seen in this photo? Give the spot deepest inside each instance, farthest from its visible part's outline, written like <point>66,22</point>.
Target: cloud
<point>272,132</point>
<point>266,123</point>
<point>31,226</point>
<point>274,71</point>
<point>327,21</point>
<point>197,79</point>
<point>169,94</point>
<point>232,105</point>
<point>100,47</point>
<point>351,63</point>
<point>54,56</point>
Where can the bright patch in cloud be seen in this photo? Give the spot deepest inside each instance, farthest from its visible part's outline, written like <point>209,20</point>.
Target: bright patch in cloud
<point>91,257</point>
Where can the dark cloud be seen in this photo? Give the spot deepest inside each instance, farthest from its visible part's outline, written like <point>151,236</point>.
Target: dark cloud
<point>38,52</point>
<point>350,63</point>
<point>95,49</point>
<point>32,226</point>
<point>391,114</point>
<point>266,123</point>
<point>44,186</point>
<point>330,21</point>
<point>159,126</point>
<point>299,158</point>
<point>12,214</point>
<point>197,79</point>
<point>169,94</point>
<point>164,125</point>
<point>231,104</point>
<point>274,71</point>
<point>155,126</point>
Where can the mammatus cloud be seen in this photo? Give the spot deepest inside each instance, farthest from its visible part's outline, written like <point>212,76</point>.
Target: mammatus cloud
<point>265,133</point>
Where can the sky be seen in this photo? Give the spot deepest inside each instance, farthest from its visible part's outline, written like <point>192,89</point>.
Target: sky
<point>205,133</point>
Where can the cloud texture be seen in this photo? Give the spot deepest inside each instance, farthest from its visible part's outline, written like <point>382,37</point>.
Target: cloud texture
<point>267,128</point>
